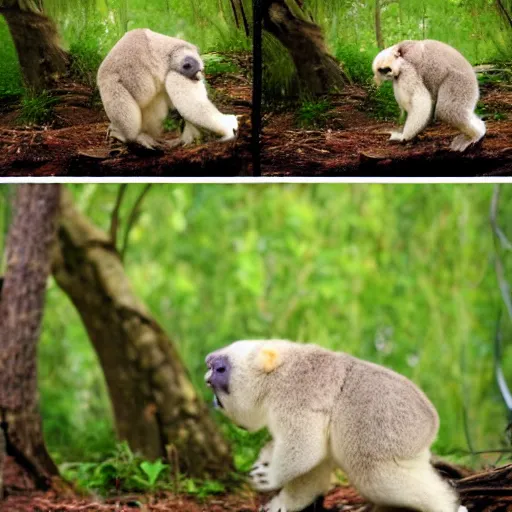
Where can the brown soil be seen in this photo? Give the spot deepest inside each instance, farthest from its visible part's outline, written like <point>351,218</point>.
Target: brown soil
<point>352,142</point>
<point>75,143</point>
<point>486,491</point>
<point>341,498</point>
<point>355,144</point>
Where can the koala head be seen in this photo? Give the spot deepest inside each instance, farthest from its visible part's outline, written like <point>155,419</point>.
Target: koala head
<point>237,376</point>
<point>386,65</point>
<point>186,61</point>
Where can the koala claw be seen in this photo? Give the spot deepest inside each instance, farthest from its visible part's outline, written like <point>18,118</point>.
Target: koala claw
<point>274,505</point>
<point>260,478</point>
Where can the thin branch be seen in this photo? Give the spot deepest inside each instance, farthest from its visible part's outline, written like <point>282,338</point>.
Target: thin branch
<point>114,220</point>
<point>244,18</point>
<point>500,377</point>
<point>504,11</point>
<point>235,13</point>
<point>132,218</point>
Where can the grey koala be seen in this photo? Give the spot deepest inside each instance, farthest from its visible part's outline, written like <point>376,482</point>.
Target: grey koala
<point>430,78</point>
<point>144,75</point>
<point>328,410</point>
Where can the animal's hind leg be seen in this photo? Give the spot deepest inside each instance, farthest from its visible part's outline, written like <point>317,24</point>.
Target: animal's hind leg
<point>411,484</point>
<point>122,110</point>
<point>460,113</point>
<point>190,133</point>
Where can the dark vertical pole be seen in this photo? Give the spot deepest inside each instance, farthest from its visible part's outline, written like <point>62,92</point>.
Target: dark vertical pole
<point>257,82</point>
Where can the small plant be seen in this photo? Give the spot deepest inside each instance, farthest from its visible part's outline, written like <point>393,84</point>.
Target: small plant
<point>85,61</point>
<point>121,472</point>
<point>37,108</point>
<point>313,113</point>
<point>216,64</point>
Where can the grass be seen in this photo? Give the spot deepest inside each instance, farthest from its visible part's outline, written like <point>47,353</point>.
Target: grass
<point>313,113</point>
<point>37,109</point>
<point>401,275</point>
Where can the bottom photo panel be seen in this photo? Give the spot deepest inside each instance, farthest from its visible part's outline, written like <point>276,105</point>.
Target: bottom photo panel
<point>244,348</point>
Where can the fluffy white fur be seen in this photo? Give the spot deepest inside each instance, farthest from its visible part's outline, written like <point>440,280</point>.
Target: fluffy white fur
<point>430,79</point>
<point>329,410</point>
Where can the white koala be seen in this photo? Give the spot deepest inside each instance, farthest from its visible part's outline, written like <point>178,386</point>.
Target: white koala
<point>329,410</point>
<point>431,78</point>
<point>146,74</point>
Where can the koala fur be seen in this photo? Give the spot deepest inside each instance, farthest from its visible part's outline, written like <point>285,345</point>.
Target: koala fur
<point>329,410</point>
<point>146,74</point>
<point>432,78</point>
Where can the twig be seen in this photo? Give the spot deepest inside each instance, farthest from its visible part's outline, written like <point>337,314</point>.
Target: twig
<point>114,220</point>
<point>132,218</point>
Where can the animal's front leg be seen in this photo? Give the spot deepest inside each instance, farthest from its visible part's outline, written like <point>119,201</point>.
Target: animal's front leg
<point>303,491</point>
<point>297,450</point>
<point>190,99</point>
<point>190,133</point>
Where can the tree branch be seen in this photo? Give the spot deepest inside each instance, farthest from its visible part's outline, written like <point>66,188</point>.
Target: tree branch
<point>132,218</point>
<point>114,220</point>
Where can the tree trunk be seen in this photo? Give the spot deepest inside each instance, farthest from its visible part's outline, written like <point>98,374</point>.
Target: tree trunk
<point>31,236</point>
<point>378,25</point>
<point>35,37</point>
<point>156,408</point>
<point>318,71</point>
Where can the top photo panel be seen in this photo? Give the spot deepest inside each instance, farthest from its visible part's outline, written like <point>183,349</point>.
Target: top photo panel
<point>270,88</point>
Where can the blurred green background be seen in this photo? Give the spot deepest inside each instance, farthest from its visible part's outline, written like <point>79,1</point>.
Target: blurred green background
<point>402,275</point>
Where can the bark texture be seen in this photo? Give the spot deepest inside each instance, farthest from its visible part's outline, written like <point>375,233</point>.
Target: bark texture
<point>35,37</point>
<point>155,406</point>
<point>317,69</point>
<point>31,236</point>
<point>378,25</point>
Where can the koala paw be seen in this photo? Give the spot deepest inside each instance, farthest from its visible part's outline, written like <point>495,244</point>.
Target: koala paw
<point>260,477</point>
<point>230,123</point>
<point>397,136</point>
<point>274,505</point>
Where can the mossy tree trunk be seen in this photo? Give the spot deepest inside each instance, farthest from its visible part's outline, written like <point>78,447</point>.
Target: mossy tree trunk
<point>35,37</point>
<point>156,408</point>
<point>318,71</point>
<point>31,236</point>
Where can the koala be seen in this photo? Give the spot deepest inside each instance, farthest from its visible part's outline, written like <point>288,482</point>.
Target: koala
<point>327,410</point>
<point>146,74</point>
<point>431,78</point>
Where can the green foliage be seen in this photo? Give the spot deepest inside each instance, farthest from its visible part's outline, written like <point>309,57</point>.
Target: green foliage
<point>216,64</point>
<point>122,471</point>
<point>37,109</point>
<point>313,113</point>
<point>10,77</point>
<point>401,275</point>
<point>85,60</point>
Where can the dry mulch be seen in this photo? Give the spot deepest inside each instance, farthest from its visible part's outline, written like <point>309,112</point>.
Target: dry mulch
<point>486,491</point>
<point>76,144</point>
<point>354,144</point>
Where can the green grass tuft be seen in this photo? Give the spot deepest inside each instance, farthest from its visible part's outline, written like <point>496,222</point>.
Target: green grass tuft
<point>37,109</point>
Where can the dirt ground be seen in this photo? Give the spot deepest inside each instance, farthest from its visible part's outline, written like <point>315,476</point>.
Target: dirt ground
<point>76,145</point>
<point>340,499</point>
<point>352,143</point>
<point>489,490</point>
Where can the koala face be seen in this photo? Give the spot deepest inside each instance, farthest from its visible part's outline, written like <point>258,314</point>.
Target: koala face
<point>187,62</point>
<point>386,65</point>
<point>237,378</point>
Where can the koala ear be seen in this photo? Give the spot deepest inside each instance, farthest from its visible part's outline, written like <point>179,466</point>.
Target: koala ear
<point>398,52</point>
<point>268,358</point>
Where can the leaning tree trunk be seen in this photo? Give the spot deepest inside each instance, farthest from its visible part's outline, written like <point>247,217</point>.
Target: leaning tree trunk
<point>35,37</point>
<point>318,71</point>
<point>156,408</point>
<point>31,236</point>
<point>378,25</point>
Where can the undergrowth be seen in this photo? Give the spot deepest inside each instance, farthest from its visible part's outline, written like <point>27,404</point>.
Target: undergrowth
<point>122,471</point>
<point>37,109</point>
